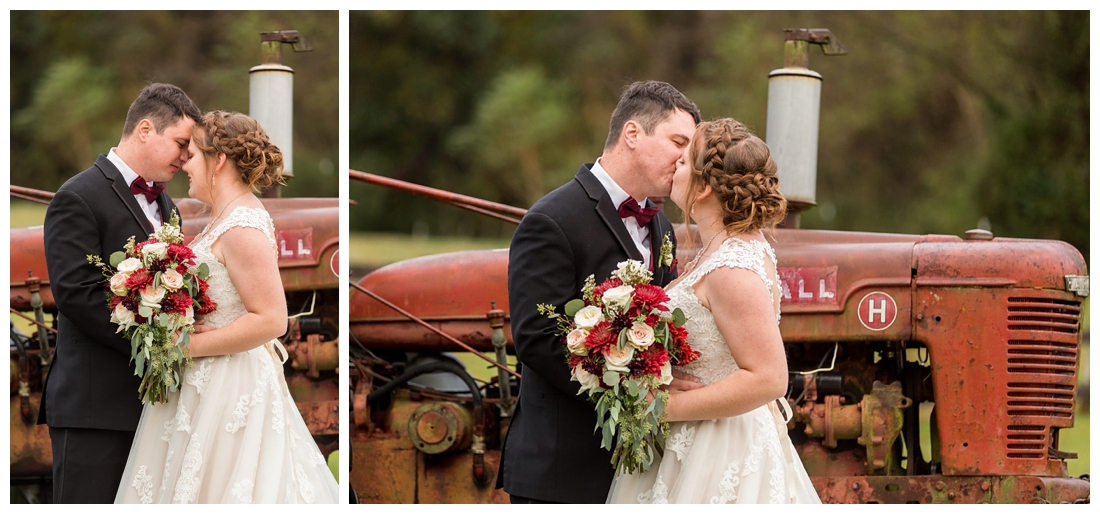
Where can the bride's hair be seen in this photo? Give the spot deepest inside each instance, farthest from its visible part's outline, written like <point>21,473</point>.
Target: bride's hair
<point>739,167</point>
<point>244,142</point>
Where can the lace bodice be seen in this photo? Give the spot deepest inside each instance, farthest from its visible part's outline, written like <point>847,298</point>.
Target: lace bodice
<point>715,361</point>
<point>222,291</point>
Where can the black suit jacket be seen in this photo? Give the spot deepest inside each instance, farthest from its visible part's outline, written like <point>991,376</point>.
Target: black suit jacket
<point>551,452</point>
<point>91,383</point>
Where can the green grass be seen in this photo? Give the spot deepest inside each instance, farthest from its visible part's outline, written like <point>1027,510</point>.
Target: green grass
<point>26,214</point>
<point>1076,440</point>
<point>376,249</point>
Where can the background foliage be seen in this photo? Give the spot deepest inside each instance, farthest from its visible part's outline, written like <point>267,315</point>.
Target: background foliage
<point>74,74</point>
<point>936,122</point>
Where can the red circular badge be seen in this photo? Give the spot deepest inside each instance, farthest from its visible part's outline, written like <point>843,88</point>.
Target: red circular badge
<point>877,311</point>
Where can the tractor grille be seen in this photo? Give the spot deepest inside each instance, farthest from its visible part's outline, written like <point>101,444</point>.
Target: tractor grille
<point>1027,441</point>
<point>1044,314</point>
<point>1042,370</point>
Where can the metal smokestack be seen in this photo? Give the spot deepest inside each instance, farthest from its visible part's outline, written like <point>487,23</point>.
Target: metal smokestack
<point>271,95</point>
<point>794,109</point>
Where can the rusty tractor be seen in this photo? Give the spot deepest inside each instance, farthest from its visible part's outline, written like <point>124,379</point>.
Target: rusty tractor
<point>923,368</point>
<point>307,232</point>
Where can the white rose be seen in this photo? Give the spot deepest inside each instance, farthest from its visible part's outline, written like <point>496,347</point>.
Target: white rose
<point>189,316</point>
<point>122,316</point>
<point>151,296</point>
<point>575,341</point>
<point>118,283</point>
<point>618,359</point>
<point>666,373</point>
<point>587,380</point>
<point>618,297</point>
<point>129,265</point>
<point>171,279</point>
<point>154,250</point>
<point>588,317</point>
<point>641,335</point>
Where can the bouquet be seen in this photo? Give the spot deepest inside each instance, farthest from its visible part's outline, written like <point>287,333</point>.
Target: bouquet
<point>621,341</point>
<point>155,290</point>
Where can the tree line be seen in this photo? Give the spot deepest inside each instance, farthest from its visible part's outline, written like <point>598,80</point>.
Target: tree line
<point>935,122</point>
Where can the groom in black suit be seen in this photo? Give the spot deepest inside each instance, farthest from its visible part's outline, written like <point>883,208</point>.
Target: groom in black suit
<point>90,401</point>
<point>585,227</point>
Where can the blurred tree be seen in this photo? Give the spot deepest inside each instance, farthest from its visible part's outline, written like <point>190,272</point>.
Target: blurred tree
<point>74,73</point>
<point>935,122</point>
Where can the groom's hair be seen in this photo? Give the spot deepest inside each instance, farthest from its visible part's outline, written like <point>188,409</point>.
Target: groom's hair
<point>649,103</point>
<point>162,104</point>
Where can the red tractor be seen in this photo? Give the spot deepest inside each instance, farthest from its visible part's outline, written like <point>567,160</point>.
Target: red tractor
<point>924,368</point>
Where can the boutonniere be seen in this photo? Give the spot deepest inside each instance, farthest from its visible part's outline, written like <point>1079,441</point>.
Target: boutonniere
<point>666,258</point>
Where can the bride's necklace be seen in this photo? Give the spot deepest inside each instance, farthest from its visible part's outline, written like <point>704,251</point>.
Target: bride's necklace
<point>691,265</point>
<point>208,225</point>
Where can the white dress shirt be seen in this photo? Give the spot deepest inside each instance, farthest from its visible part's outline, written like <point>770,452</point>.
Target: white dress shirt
<point>151,209</point>
<point>639,234</point>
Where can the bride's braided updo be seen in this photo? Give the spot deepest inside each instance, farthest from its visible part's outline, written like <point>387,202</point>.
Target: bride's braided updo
<point>739,168</point>
<point>244,142</point>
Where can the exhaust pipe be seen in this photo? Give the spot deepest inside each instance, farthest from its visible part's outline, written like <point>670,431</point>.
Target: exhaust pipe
<point>794,109</point>
<point>271,95</point>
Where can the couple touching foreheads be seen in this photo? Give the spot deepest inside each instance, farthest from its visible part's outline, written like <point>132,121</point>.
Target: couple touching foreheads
<point>728,440</point>
<point>231,433</point>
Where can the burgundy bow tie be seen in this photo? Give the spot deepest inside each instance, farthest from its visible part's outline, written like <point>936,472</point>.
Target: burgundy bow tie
<point>139,187</point>
<point>630,207</point>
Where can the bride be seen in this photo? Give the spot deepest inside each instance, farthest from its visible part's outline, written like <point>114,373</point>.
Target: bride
<point>728,441</point>
<point>232,434</point>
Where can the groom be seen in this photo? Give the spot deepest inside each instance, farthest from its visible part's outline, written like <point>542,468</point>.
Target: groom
<point>90,399</point>
<point>585,227</point>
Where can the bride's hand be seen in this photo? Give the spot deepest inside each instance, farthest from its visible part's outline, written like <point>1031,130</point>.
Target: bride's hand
<point>683,382</point>
<point>201,327</point>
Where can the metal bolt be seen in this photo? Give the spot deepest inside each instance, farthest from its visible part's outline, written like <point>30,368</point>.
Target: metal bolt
<point>855,486</point>
<point>939,486</point>
<point>985,485</point>
<point>951,495</point>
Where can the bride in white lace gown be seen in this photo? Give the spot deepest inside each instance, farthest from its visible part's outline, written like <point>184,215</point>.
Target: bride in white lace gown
<point>233,433</point>
<point>728,441</point>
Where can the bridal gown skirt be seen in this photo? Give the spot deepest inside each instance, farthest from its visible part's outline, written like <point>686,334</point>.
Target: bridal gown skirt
<point>231,435</point>
<point>742,459</point>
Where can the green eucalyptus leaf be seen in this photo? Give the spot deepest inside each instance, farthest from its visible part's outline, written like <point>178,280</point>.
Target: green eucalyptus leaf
<point>611,378</point>
<point>572,306</point>
<point>145,311</point>
<point>631,387</point>
<point>117,258</point>
<point>203,271</point>
<point>678,317</point>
